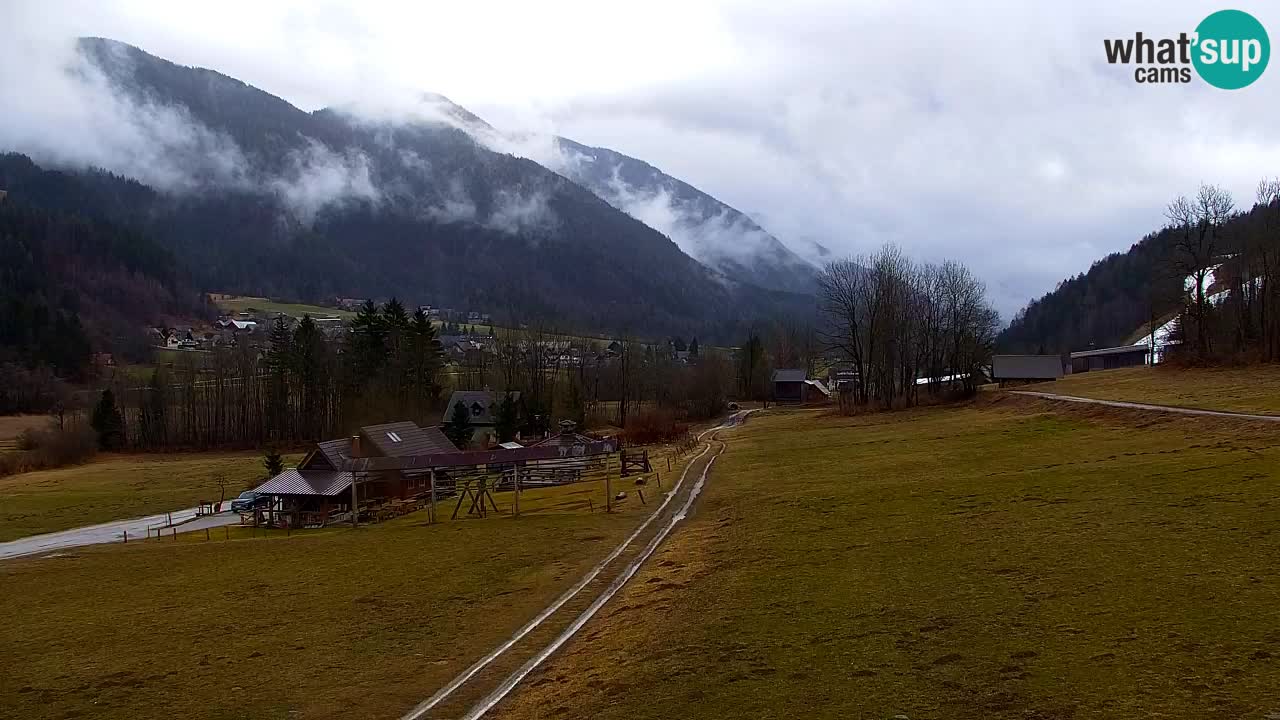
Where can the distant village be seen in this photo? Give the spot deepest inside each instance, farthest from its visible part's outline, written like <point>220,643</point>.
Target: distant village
<point>467,337</point>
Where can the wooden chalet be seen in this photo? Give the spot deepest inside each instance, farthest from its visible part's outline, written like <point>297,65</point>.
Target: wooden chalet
<point>318,490</point>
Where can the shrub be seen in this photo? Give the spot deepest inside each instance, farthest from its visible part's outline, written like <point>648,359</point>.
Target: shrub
<point>52,447</point>
<point>652,427</point>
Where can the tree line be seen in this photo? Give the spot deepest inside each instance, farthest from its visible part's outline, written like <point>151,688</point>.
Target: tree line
<point>1209,269</point>
<point>891,321</point>
<point>302,386</point>
<point>1228,262</point>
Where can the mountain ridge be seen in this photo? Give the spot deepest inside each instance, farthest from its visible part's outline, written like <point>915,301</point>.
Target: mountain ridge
<point>264,198</point>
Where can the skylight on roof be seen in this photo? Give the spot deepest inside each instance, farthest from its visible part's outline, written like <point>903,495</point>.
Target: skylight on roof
<point>394,437</point>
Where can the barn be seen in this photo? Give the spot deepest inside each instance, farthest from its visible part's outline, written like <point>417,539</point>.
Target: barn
<point>1020,369</point>
<point>789,386</point>
<point>1109,358</point>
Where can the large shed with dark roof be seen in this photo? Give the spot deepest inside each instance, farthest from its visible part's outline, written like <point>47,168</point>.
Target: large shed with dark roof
<point>789,386</point>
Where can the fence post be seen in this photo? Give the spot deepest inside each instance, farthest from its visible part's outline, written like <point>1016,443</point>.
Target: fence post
<point>516,512</point>
<point>206,534</point>
<point>608,492</point>
<point>659,476</point>
<point>432,514</point>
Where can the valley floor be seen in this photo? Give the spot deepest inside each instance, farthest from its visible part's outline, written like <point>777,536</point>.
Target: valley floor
<point>1010,560</point>
<point>330,623</point>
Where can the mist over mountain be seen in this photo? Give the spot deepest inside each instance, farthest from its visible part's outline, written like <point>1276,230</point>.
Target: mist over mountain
<point>254,195</point>
<point>710,231</point>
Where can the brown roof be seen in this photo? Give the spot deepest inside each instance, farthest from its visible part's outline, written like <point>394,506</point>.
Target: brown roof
<point>401,439</point>
<point>336,452</point>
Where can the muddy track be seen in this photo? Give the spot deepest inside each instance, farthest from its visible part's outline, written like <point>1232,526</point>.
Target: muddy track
<point>491,678</point>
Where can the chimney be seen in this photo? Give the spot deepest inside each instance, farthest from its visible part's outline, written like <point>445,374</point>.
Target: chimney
<point>566,430</point>
<point>355,447</point>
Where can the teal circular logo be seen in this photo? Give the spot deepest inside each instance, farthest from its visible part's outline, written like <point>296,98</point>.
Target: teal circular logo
<point>1232,49</point>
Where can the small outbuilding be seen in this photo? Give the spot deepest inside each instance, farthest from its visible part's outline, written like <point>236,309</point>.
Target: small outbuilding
<point>789,386</point>
<point>1019,369</point>
<point>1109,358</point>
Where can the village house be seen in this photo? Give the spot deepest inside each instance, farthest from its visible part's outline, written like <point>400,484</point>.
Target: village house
<point>352,304</point>
<point>238,324</point>
<point>482,410</point>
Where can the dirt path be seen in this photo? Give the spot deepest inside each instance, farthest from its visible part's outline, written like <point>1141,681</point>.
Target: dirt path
<point>1145,406</point>
<point>483,685</point>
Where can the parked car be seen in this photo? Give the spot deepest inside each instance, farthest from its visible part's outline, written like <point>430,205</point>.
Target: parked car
<point>248,501</point>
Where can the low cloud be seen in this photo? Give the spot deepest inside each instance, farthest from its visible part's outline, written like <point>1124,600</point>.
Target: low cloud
<point>63,110</point>
<point>519,213</point>
<point>319,177</point>
<point>455,205</point>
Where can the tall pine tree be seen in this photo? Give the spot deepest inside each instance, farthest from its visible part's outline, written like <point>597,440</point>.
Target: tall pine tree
<point>508,419</point>
<point>108,422</point>
<point>458,428</point>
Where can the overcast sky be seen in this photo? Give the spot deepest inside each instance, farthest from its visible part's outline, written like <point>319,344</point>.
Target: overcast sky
<point>993,133</point>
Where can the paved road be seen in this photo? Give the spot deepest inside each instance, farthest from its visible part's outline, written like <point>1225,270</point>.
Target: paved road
<point>110,532</point>
<point>1145,406</point>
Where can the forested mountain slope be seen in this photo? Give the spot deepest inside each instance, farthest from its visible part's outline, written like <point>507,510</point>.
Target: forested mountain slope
<point>258,197</point>
<point>71,282</point>
<point>1124,291</point>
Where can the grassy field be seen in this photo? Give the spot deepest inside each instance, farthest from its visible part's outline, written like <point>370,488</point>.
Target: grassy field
<point>1002,561</point>
<point>1252,389</point>
<point>115,487</point>
<point>323,624</point>
<point>243,303</point>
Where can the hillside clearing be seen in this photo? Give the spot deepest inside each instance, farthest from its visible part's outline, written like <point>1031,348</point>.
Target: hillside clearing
<point>245,303</point>
<point>1252,389</point>
<point>1008,562</point>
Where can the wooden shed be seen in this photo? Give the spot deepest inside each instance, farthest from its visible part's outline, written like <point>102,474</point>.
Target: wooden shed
<point>1109,358</point>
